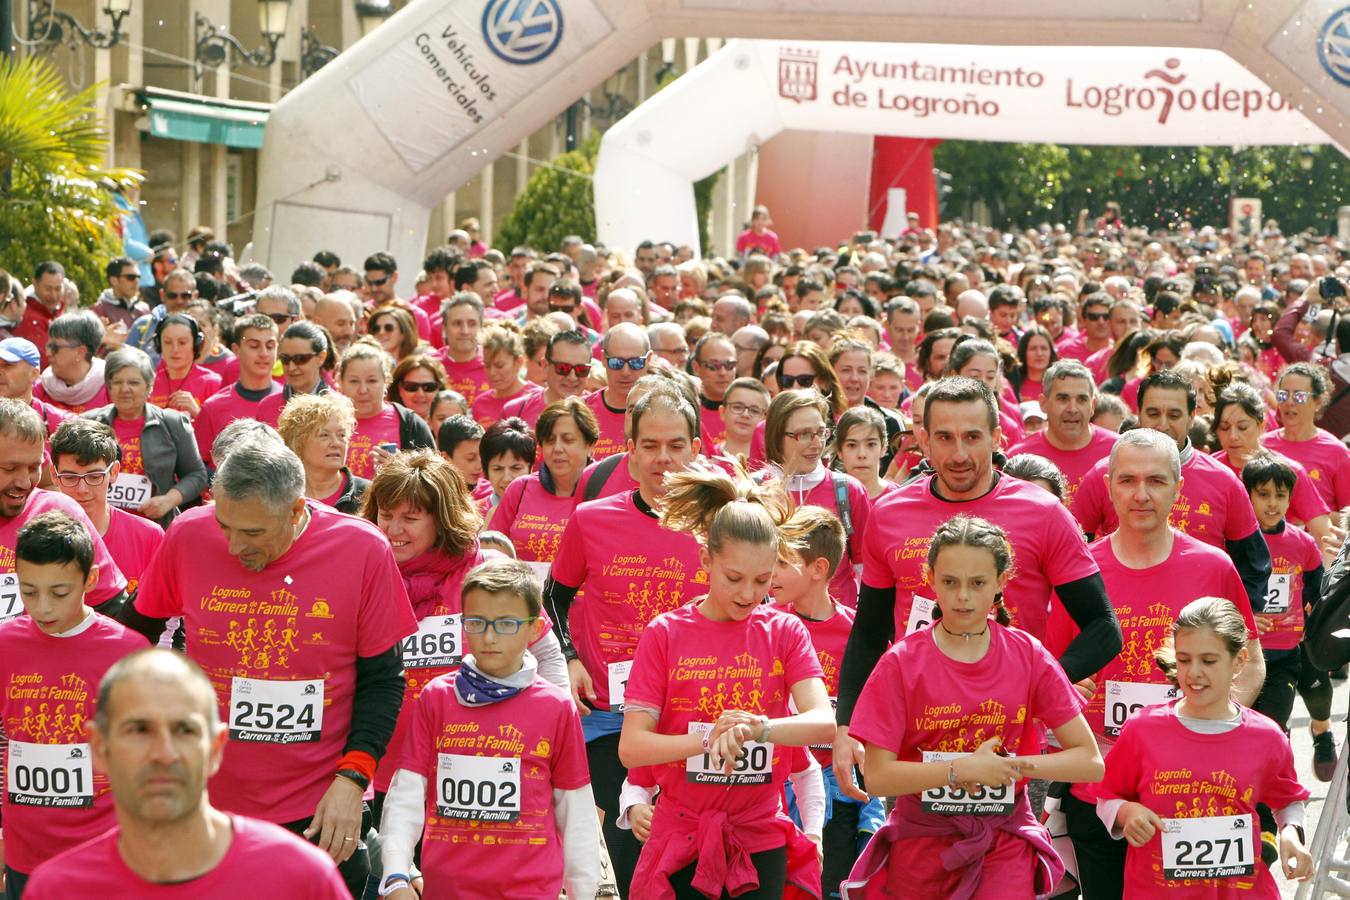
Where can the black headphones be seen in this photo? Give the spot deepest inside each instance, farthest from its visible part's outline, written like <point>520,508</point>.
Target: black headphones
<point>198,338</point>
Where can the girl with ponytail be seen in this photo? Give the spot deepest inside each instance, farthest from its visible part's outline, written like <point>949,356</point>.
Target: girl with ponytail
<point>706,706</point>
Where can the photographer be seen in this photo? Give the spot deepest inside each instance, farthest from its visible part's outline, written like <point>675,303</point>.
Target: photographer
<point>1334,354</point>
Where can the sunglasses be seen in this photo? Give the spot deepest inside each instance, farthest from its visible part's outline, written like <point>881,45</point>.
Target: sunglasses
<point>718,365</point>
<point>298,359</point>
<point>130,275</point>
<point>616,363</point>
<point>562,309</point>
<point>581,370</point>
<point>280,318</point>
<point>376,282</point>
<point>384,327</point>
<point>1299,396</point>
<point>426,387</point>
<point>177,295</point>
<point>93,479</point>
<point>1097,316</point>
<point>805,380</point>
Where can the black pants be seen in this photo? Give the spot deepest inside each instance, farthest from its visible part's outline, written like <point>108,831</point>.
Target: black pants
<point>771,866</point>
<point>840,842</point>
<point>15,882</point>
<point>356,870</point>
<point>1101,859</point>
<point>1289,672</point>
<point>607,775</point>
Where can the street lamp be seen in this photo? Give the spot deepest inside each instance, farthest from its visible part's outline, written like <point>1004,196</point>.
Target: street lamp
<point>1307,158</point>
<point>48,27</point>
<point>371,13</point>
<point>314,53</point>
<point>215,44</point>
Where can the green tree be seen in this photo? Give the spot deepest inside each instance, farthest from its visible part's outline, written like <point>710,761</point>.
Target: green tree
<point>58,203</point>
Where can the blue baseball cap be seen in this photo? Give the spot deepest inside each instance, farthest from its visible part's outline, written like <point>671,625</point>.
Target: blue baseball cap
<point>14,350</point>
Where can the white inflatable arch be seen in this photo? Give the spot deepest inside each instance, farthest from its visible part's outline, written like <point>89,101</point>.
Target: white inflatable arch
<point>358,155</point>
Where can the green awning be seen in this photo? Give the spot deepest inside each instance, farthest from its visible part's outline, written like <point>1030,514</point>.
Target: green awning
<point>205,122</point>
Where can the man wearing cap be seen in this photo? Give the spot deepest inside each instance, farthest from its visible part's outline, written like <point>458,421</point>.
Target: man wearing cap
<point>19,370</point>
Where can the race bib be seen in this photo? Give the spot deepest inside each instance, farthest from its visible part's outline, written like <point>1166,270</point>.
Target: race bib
<point>920,614</point>
<point>485,788</point>
<point>439,642</point>
<point>276,712</point>
<point>1277,594</point>
<point>50,775</point>
<point>834,705</point>
<point>10,604</point>
<point>1125,698</point>
<point>129,491</point>
<point>540,569</point>
<point>618,684</point>
<point>1208,847</point>
<point>957,801</point>
<point>753,766</point>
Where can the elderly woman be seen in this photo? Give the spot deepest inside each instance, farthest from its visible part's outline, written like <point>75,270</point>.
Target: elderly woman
<point>317,428</point>
<point>417,380</point>
<point>73,379</point>
<point>364,376</point>
<point>161,467</point>
<point>307,360</point>
<point>421,504</point>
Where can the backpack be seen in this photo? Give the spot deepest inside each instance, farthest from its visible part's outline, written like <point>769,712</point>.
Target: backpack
<point>1326,634</point>
<point>603,470</point>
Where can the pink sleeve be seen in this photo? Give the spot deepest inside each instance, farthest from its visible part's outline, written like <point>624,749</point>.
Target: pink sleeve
<point>419,748</point>
<point>506,510</point>
<point>642,776</point>
<point>650,673</point>
<point>1340,479</point>
<point>569,565</point>
<point>1236,592</point>
<point>570,768</point>
<point>1121,781</point>
<point>1089,503</point>
<point>157,593</point>
<point>1306,503</point>
<point>1054,700</point>
<point>111,581</point>
<point>860,508</point>
<point>879,716</point>
<point>1065,556</point>
<point>386,615</point>
<point>1281,786</point>
<point>876,570</point>
<point>205,430</point>
<point>1241,519</point>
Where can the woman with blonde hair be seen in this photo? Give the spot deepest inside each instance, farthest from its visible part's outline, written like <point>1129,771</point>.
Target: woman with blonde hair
<point>317,428</point>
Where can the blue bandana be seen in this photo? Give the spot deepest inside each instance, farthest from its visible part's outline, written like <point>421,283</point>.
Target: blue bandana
<point>476,689</point>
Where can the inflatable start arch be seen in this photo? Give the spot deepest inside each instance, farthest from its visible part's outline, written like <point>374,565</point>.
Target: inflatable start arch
<point>358,155</point>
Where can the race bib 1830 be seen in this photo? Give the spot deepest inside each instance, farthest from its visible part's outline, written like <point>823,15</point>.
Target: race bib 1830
<point>753,766</point>
<point>50,775</point>
<point>439,642</point>
<point>485,788</point>
<point>276,712</point>
<point>1208,847</point>
<point>1125,698</point>
<point>10,604</point>
<point>957,801</point>
<point>618,683</point>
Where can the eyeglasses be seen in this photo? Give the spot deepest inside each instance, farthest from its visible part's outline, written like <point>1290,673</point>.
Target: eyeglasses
<point>1299,396</point>
<point>479,625</point>
<point>298,359</point>
<point>93,479</point>
<point>426,387</point>
<point>810,434</point>
<point>1097,316</point>
<point>581,370</point>
<point>376,282</point>
<point>717,365</point>
<point>177,295</point>
<point>745,409</point>
<point>636,363</point>
<point>384,327</point>
<point>280,318</point>
<point>805,380</point>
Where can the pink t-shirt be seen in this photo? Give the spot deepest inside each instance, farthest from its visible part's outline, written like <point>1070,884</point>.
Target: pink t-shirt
<point>1326,459</point>
<point>829,637</point>
<point>619,480</point>
<point>260,854</point>
<point>468,378</point>
<point>1097,362</point>
<point>1010,426</point>
<point>200,382</point>
<point>527,405</point>
<point>1048,548</point>
<point>1213,505</point>
<point>533,518</point>
<point>1180,773</point>
<point>111,581</point>
<point>52,416</point>
<point>1305,503</point>
<point>1292,552</point>
<point>381,428</point>
<point>764,242</point>
<point>844,584</point>
<point>612,439</point>
<point>630,570</point>
<point>513,849</point>
<point>688,669</point>
<point>128,432</point>
<point>1074,464</point>
<point>487,408</point>
<point>713,424</point>
<point>226,366</point>
<point>50,685</point>
<point>94,402</point>
<point>132,541</point>
<point>221,409</point>
<point>306,617</point>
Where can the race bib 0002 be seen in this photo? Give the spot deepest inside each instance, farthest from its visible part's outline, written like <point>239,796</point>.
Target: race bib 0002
<point>57,775</point>
<point>439,642</point>
<point>1125,698</point>
<point>1277,594</point>
<point>753,766</point>
<point>1208,847</point>
<point>276,712</point>
<point>957,801</point>
<point>485,788</point>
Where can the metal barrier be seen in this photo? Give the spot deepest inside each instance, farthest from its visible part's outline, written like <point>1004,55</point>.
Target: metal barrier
<point>1330,870</point>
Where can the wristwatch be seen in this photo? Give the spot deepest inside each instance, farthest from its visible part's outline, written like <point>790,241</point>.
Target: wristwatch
<point>352,775</point>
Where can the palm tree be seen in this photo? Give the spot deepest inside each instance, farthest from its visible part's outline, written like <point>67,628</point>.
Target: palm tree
<point>57,201</point>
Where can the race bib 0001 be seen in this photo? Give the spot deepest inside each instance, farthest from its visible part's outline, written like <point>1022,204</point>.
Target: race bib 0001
<point>439,642</point>
<point>1125,698</point>
<point>618,683</point>
<point>276,712</point>
<point>754,765</point>
<point>56,775</point>
<point>129,491</point>
<point>485,788</point>
<point>957,801</point>
<point>1208,847</point>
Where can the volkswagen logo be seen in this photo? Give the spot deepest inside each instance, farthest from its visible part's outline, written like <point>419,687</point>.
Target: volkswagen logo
<point>522,31</point>
<point>1333,46</point>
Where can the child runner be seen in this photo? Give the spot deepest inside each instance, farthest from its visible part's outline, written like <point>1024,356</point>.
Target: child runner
<point>51,662</point>
<point>1184,778</point>
<point>706,706</point>
<point>859,445</point>
<point>940,715</point>
<point>801,586</point>
<point>493,776</point>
